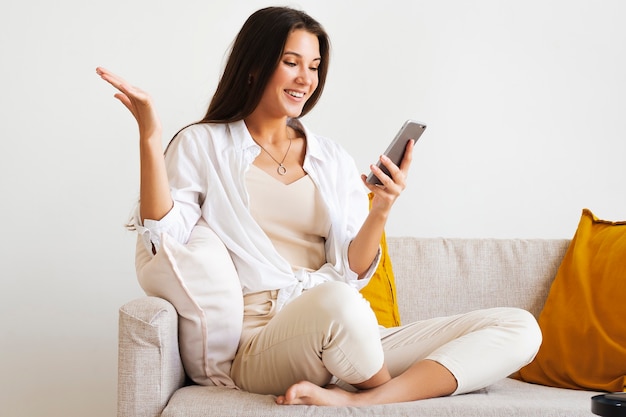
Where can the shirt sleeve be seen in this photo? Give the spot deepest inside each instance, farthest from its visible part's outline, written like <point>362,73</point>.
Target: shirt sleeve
<point>188,190</point>
<point>356,208</point>
<point>349,206</point>
<point>152,230</point>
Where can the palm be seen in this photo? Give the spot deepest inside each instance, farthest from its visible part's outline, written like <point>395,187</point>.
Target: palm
<point>137,101</point>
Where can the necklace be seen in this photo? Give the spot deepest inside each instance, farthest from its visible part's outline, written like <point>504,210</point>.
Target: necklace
<point>281,168</point>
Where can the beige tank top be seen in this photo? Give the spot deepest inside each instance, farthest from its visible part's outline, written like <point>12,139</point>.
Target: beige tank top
<point>293,216</point>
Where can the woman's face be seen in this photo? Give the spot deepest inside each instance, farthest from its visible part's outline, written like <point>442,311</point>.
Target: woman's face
<point>295,78</point>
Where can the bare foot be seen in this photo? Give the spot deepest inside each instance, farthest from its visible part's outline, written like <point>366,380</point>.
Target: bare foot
<point>308,393</point>
<point>424,379</point>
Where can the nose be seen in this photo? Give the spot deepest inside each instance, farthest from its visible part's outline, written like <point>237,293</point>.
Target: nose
<point>304,77</point>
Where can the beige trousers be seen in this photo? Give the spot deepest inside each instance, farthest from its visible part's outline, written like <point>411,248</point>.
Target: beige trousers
<point>330,332</point>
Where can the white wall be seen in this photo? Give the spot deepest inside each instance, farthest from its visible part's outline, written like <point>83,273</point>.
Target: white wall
<point>525,103</point>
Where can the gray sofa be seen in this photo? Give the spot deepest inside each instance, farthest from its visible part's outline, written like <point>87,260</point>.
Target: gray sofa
<point>434,277</point>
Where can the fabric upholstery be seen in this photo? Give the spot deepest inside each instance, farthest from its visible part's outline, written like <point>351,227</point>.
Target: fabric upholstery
<point>515,272</point>
<point>505,398</point>
<point>441,277</point>
<point>582,321</point>
<point>149,366</point>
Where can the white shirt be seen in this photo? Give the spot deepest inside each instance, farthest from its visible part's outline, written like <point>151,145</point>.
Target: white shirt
<point>206,166</point>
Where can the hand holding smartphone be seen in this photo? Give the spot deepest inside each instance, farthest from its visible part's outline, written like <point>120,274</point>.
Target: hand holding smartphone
<point>409,130</point>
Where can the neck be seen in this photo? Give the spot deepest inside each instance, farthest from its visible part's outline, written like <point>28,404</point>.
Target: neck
<point>267,131</point>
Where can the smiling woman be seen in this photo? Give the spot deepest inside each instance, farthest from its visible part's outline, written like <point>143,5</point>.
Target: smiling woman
<point>255,54</point>
<point>294,80</point>
<point>286,93</point>
<point>292,211</point>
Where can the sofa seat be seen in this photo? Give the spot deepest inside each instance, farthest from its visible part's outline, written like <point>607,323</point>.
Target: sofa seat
<point>508,397</point>
<point>434,277</point>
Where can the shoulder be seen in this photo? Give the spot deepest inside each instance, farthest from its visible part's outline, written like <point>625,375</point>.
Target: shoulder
<point>202,131</point>
<point>202,136</point>
<point>325,149</point>
<point>332,149</point>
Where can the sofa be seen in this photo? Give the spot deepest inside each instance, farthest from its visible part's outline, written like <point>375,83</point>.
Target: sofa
<point>433,277</point>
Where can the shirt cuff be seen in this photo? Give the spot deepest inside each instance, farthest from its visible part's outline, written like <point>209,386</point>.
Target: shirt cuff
<point>152,230</point>
<point>359,284</point>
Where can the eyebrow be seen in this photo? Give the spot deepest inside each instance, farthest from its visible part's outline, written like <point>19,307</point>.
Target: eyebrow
<point>300,56</point>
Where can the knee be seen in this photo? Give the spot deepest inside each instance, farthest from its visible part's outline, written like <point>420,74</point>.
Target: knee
<point>351,348</point>
<point>528,334</point>
<point>338,301</point>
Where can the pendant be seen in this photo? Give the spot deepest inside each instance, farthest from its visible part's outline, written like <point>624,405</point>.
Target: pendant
<point>281,169</point>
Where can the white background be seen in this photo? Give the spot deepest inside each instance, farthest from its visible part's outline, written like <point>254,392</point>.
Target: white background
<point>525,104</point>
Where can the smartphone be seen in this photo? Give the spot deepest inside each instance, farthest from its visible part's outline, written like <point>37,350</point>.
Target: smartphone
<point>409,130</point>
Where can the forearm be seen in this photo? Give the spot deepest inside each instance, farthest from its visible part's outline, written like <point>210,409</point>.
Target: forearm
<point>155,198</point>
<point>154,193</point>
<point>364,247</point>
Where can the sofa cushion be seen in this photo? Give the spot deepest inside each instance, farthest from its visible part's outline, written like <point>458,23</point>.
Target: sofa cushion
<point>200,280</point>
<point>381,290</point>
<point>584,344</point>
<point>470,274</point>
<point>507,397</point>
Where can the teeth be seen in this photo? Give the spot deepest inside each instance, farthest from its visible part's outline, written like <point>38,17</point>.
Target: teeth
<point>295,94</point>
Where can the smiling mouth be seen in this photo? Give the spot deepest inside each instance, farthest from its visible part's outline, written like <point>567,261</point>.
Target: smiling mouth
<point>295,94</point>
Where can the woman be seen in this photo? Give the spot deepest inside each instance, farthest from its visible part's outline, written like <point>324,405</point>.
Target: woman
<point>292,210</point>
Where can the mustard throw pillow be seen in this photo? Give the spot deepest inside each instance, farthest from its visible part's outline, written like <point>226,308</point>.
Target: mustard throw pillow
<point>584,332</point>
<point>381,290</point>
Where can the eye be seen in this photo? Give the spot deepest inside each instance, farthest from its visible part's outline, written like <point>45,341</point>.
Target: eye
<point>314,69</point>
<point>289,63</point>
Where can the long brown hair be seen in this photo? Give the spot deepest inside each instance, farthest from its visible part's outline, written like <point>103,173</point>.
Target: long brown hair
<point>255,54</point>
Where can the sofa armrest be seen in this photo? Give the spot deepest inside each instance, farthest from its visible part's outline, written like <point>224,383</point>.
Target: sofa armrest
<point>149,365</point>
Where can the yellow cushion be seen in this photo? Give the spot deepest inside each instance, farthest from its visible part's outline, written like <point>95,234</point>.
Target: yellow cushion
<point>381,290</point>
<point>584,332</point>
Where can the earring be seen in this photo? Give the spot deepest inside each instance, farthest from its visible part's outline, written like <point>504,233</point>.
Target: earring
<point>250,79</point>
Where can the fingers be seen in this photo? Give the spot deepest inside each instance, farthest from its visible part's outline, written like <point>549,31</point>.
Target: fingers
<point>386,179</point>
<point>392,185</point>
<point>389,188</point>
<point>127,103</point>
<point>130,91</point>
<point>137,101</point>
<point>111,78</point>
<point>397,174</point>
<point>125,95</point>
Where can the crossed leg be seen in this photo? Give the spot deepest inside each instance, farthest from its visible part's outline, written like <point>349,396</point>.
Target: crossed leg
<point>426,358</point>
<point>424,379</point>
<point>329,331</point>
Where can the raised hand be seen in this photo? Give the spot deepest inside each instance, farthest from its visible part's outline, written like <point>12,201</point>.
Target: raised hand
<point>155,196</point>
<point>137,101</point>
